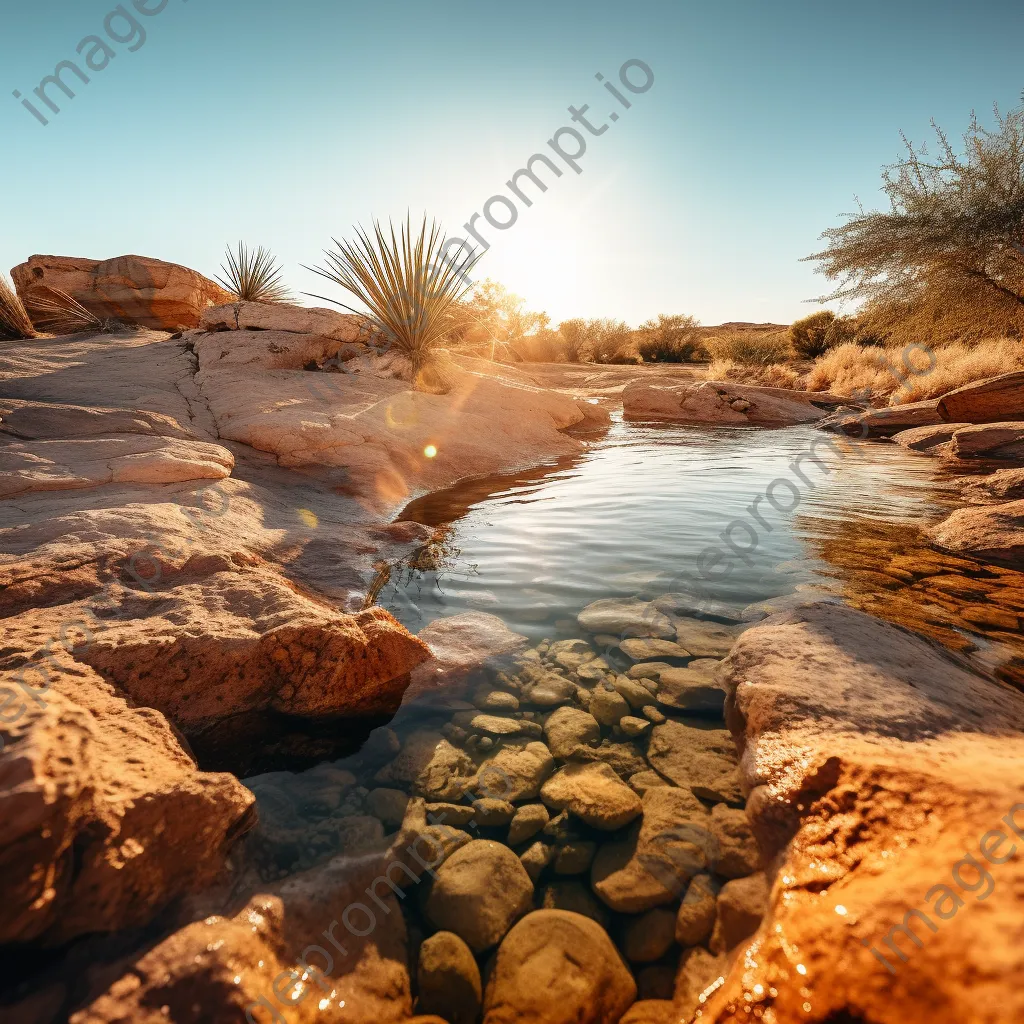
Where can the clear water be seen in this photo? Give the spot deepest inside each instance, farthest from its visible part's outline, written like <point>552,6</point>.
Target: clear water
<point>632,516</point>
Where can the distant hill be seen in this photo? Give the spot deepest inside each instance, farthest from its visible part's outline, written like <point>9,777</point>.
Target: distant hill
<point>737,326</point>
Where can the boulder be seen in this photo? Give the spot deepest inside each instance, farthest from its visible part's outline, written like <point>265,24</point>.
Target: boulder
<point>133,289</point>
<point>478,893</point>
<point>985,401</point>
<point>430,766</point>
<point>608,706</point>
<point>702,759</point>
<point>697,976</point>
<point>737,854</point>
<point>575,857</point>
<point>572,895</point>
<point>557,967</point>
<point>994,440</point>
<point>449,980</point>
<point>692,690</point>
<point>492,813</point>
<point>629,618</point>
<point>993,533</point>
<point>636,694</point>
<point>651,1011</point>
<point>653,864</point>
<point>722,402</point>
<point>884,422</point>
<point>648,936</point>
<point>1002,485</point>
<point>536,857</point>
<point>741,905</point>
<point>517,771</point>
<point>594,793</point>
<point>923,439</point>
<point>625,759</point>
<point>706,639</point>
<point>569,728</point>
<point>695,918</point>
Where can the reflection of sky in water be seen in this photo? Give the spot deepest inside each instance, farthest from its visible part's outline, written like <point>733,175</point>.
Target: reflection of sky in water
<point>639,508</point>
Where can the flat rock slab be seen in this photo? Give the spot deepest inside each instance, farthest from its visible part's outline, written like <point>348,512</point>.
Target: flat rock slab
<point>706,639</point>
<point>703,760</point>
<point>646,648</point>
<point>884,422</point>
<point>986,401</point>
<point>123,458</point>
<point>924,439</point>
<point>1003,485</point>
<point>694,689</point>
<point>996,440</point>
<point>594,793</point>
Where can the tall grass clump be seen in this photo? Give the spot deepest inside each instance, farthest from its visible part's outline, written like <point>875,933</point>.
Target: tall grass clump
<point>253,276</point>
<point>767,375</point>
<point>15,323</point>
<point>56,312</point>
<point>851,368</point>
<point>408,285</point>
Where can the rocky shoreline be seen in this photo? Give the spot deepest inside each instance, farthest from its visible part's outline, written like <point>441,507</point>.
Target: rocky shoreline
<point>585,830</point>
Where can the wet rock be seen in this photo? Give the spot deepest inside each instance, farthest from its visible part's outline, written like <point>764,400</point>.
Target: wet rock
<point>497,700</point>
<point>594,794</point>
<point>449,980</point>
<point>568,728</point>
<point>884,422</point>
<point>623,758</point>
<point>607,706</point>
<point>985,401</point>
<point>695,918</point>
<point>536,858</point>
<point>737,851</point>
<point>698,605</point>
<point>706,639</point>
<point>650,1010</point>
<point>450,814</point>
<point>648,936</point>
<point>478,893</point>
<point>527,821</point>
<point>1003,485</point>
<point>498,725</point>
<point>698,971</point>
<point>593,671</point>
<point>995,440</point>
<point>661,853</point>
<point>634,727</point>
<point>563,828</point>
<point>694,689</point>
<point>741,905</point>
<point>630,618</point>
<point>656,982</point>
<point>636,694</point>
<point>556,951</point>
<point>516,772</point>
<point>389,805</point>
<point>643,781</point>
<point>994,533</point>
<point>430,766</point>
<point>571,654</point>
<point>492,813</point>
<point>653,715</point>
<point>548,689</point>
<point>573,895</point>
<point>702,759</point>
<point>645,649</point>
<point>923,439</point>
<point>575,858</point>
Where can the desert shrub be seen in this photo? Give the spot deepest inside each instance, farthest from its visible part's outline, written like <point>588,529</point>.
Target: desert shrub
<point>945,261</point>
<point>751,348</point>
<point>810,336</point>
<point>610,341</point>
<point>882,375</point>
<point>14,319</point>
<point>671,338</point>
<point>253,276</point>
<point>769,375</point>
<point>574,336</point>
<point>406,284</point>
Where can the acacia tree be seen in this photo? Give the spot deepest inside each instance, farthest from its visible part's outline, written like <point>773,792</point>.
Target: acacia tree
<point>946,261</point>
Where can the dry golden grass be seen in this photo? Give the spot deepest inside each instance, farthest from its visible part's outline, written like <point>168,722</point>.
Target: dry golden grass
<point>14,320</point>
<point>882,373</point>
<point>56,312</point>
<point>770,375</point>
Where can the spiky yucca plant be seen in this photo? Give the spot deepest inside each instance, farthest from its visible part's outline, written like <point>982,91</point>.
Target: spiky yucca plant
<point>14,320</point>
<point>253,276</point>
<point>56,312</point>
<point>408,287</point>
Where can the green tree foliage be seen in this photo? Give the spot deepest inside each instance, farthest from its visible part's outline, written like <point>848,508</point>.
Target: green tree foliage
<point>946,261</point>
<point>671,338</point>
<point>811,335</point>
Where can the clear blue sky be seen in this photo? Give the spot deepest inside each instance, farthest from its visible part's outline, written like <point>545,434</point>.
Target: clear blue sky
<point>285,123</point>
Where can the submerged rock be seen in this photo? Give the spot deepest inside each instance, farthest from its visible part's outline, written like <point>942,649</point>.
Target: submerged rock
<point>648,936</point>
<point>630,618</point>
<point>556,953</point>
<point>567,729</point>
<point>594,793</point>
<point>704,760</point>
<point>449,980</point>
<point>994,533</point>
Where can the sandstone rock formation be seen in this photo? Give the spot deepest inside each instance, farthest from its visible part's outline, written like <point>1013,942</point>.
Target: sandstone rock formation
<point>885,422</point>
<point>878,790</point>
<point>993,532</point>
<point>986,401</point>
<point>132,289</point>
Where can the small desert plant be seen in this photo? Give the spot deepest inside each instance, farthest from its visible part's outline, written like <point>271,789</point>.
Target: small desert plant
<point>674,338</point>
<point>253,276</point>
<point>14,320</point>
<point>57,312</point>
<point>809,337</point>
<point>751,348</point>
<point>406,283</point>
